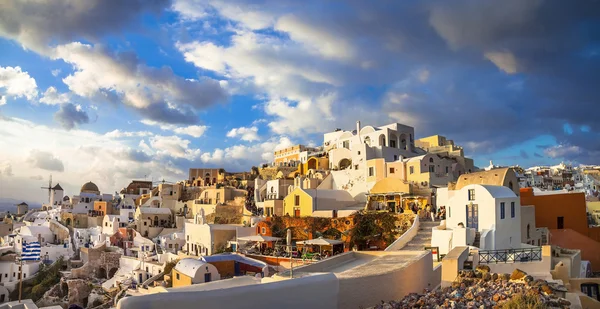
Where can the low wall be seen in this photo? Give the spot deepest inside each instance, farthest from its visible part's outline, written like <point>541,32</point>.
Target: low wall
<point>406,237</point>
<point>452,263</point>
<point>394,282</point>
<point>314,291</point>
<point>442,238</point>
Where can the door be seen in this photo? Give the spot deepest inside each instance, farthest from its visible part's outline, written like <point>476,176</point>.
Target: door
<point>591,290</point>
<point>236,269</point>
<point>473,216</point>
<point>207,277</point>
<point>296,212</point>
<point>560,223</point>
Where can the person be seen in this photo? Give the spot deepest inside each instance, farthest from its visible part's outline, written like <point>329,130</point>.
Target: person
<point>427,212</point>
<point>432,214</point>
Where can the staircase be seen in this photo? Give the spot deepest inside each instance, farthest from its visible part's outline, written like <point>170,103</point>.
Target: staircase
<point>477,240</point>
<point>423,237</point>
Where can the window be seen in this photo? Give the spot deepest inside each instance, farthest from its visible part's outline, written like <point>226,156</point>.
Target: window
<point>512,209</point>
<point>447,170</point>
<point>528,230</point>
<point>391,170</point>
<point>177,275</point>
<point>358,152</point>
<point>395,157</point>
<point>591,290</point>
<point>346,144</point>
<point>393,143</point>
<point>263,230</point>
<point>430,160</point>
<point>412,169</point>
<point>432,168</point>
<point>296,200</point>
<point>145,223</point>
<point>219,196</point>
<point>471,194</point>
<point>449,212</point>
<point>371,171</point>
<point>510,185</point>
<point>188,237</point>
<point>502,214</point>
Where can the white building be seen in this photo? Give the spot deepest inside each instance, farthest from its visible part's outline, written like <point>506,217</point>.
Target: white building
<point>205,239</point>
<point>196,270</point>
<point>491,214</point>
<point>353,148</point>
<point>172,241</point>
<point>112,223</point>
<point>9,272</point>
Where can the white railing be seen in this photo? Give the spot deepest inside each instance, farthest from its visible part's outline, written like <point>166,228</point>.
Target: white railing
<point>406,237</point>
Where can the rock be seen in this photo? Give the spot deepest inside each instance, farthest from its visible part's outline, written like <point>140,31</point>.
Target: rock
<point>494,276</point>
<point>79,290</point>
<point>496,297</point>
<point>483,268</point>
<point>517,274</point>
<point>486,276</point>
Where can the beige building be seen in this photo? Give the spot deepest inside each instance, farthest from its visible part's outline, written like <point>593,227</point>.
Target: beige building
<point>151,221</point>
<point>202,177</point>
<point>440,145</point>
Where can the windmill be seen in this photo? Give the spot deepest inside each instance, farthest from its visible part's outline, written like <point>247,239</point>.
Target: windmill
<point>49,188</point>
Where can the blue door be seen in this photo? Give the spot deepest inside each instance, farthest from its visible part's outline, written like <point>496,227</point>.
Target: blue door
<point>207,277</point>
<point>236,267</point>
<point>473,216</point>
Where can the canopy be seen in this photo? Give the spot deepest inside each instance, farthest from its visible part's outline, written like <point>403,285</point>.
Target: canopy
<point>259,238</point>
<point>320,242</point>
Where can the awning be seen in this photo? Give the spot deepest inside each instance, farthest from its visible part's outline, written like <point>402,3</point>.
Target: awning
<point>258,238</point>
<point>320,242</point>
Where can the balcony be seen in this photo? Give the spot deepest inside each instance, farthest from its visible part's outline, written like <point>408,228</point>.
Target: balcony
<point>510,255</point>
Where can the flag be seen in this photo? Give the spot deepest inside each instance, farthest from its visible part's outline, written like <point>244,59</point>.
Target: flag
<point>31,251</point>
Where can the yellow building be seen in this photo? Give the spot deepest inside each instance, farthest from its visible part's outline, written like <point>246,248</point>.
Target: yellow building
<point>313,163</point>
<point>440,145</point>
<point>388,194</point>
<point>192,271</point>
<point>312,202</point>
<point>200,177</point>
<point>496,177</point>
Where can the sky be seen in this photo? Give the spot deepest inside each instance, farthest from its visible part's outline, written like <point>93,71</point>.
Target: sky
<point>109,91</point>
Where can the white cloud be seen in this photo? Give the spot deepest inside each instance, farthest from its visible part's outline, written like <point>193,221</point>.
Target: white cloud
<point>45,160</point>
<point>173,146</point>
<point>562,151</point>
<point>118,134</point>
<point>306,116</point>
<point>325,43</point>
<point>55,72</point>
<point>6,169</point>
<point>52,97</point>
<point>16,83</point>
<point>246,134</point>
<point>193,131</point>
<point>505,61</point>
<point>244,14</point>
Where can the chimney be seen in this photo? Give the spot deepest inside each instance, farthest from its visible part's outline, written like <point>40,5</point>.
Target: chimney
<point>358,130</point>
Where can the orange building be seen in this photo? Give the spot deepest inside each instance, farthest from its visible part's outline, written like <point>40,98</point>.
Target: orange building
<point>558,211</point>
<point>565,215</point>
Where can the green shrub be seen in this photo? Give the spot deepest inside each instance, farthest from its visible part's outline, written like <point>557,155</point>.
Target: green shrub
<point>520,301</point>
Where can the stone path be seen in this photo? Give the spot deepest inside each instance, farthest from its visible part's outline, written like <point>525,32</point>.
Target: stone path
<point>423,237</point>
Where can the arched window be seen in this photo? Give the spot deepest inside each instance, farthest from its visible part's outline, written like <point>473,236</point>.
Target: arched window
<point>382,140</point>
<point>430,160</point>
<point>510,185</point>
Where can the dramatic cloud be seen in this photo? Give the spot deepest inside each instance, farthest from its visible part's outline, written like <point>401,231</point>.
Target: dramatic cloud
<point>45,160</point>
<point>16,84</point>
<point>70,115</point>
<point>246,134</point>
<point>242,156</point>
<point>158,94</point>
<point>505,61</point>
<point>38,23</point>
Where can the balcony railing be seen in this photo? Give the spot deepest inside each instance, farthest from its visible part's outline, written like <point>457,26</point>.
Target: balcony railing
<point>510,255</point>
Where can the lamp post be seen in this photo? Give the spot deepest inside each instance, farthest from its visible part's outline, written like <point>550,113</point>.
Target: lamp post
<point>289,245</point>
